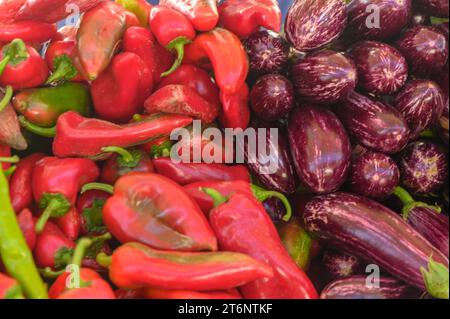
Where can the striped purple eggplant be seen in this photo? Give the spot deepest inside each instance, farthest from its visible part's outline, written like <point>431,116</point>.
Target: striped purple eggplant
<point>311,24</point>
<point>374,175</point>
<point>357,287</point>
<point>320,148</point>
<point>324,77</point>
<point>373,124</point>
<point>421,103</point>
<point>382,69</point>
<point>425,48</point>
<point>364,23</point>
<point>437,8</point>
<point>337,264</point>
<point>376,234</point>
<point>423,167</point>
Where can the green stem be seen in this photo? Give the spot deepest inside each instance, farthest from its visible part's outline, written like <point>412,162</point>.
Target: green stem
<point>6,98</point>
<point>4,63</point>
<point>262,195</point>
<point>38,130</point>
<point>45,216</point>
<point>216,196</point>
<point>409,203</point>
<point>176,45</point>
<point>80,250</point>
<point>10,171</point>
<point>12,159</point>
<point>49,273</point>
<point>427,134</point>
<point>99,187</point>
<point>103,260</point>
<point>127,157</point>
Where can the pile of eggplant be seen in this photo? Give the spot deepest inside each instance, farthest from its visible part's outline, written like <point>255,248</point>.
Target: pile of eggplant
<point>359,90</point>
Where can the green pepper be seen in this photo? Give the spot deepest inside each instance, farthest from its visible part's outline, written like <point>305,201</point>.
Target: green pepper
<point>14,251</point>
<point>43,106</point>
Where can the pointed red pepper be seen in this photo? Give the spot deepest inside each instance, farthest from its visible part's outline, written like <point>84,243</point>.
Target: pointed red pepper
<point>9,288</point>
<point>243,17</point>
<point>203,14</point>
<point>27,225</point>
<point>31,32</point>
<point>235,111</point>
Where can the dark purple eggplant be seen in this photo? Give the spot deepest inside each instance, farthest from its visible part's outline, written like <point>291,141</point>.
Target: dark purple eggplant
<point>338,264</point>
<point>320,147</point>
<point>421,102</point>
<point>362,15</point>
<point>425,48</point>
<point>275,208</point>
<point>324,77</point>
<point>373,124</point>
<point>272,97</point>
<point>267,52</point>
<point>273,167</point>
<point>378,235</point>
<point>443,27</point>
<point>356,287</point>
<point>444,124</point>
<point>382,69</point>
<point>419,18</point>
<point>312,24</point>
<point>374,175</point>
<point>436,8</point>
<point>423,167</point>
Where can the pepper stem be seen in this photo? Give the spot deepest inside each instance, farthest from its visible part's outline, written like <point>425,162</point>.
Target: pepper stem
<point>103,260</point>
<point>12,159</point>
<point>63,70</point>
<point>4,63</point>
<point>80,250</point>
<point>55,207</point>
<point>49,273</point>
<point>10,171</point>
<point>38,130</point>
<point>409,203</point>
<point>176,45</point>
<point>262,194</point>
<point>126,156</point>
<point>7,97</point>
<point>99,187</point>
<point>216,196</point>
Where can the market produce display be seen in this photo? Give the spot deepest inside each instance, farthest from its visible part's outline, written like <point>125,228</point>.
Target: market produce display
<point>117,180</point>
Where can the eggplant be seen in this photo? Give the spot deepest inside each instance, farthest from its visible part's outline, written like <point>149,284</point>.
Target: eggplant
<point>373,124</point>
<point>425,48</point>
<point>320,148</point>
<point>378,235</point>
<point>275,208</point>
<point>436,8</point>
<point>312,24</point>
<point>324,77</point>
<point>419,18</point>
<point>382,69</point>
<point>443,27</point>
<point>444,124</point>
<point>356,287</point>
<point>267,52</point>
<point>374,175</point>
<point>423,167</point>
<point>421,102</point>
<point>338,264</point>
<point>394,16</point>
<point>272,97</point>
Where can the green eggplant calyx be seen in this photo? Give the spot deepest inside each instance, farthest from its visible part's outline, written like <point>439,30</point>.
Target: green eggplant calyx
<point>176,45</point>
<point>436,279</point>
<point>409,203</point>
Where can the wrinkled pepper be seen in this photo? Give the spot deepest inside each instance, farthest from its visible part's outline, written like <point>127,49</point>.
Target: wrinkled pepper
<point>235,112</point>
<point>173,31</point>
<point>31,32</point>
<point>100,32</point>
<point>120,91</point>
<point>218,46</point>
<point>83,137</point>
<point>56,183</point>
<point>90,205</point>
<point>243,17</point>
<point>9,288</point>
<point>203,14</point>
<point>134,265</point>
<point>27,224</point>
<point>21,66</point>
<point>140,8</point>
<point>10,133</point>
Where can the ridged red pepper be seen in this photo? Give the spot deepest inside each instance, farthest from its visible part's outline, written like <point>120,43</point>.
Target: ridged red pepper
<point>56,183</point>
<point>90,205</point>
<point>27,224</point>
<point>83,137</point>
<point>235,111</point>
<point>243,17</point>
<point>187,173</point>
<point>31,32</point>
<point>218,46</point>
<point>120,91</point>
<point>9,288</point>
<point>203,14</point>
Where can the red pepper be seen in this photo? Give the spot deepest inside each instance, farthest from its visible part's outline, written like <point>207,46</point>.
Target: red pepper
<point>134,265</point>
<point>31,32</point>
<point>141,42</point>
<point>235,111</point>
<point>56,183</point>
<point>27,225</point>
<point>181,99</point>
<point>21,66</point>
<point>243,17</point>
<point>120,91</point>
<point>131,20</point>
<point>20,189</point>
<point>143,210</point>
<point>9,288</point>
<point>140,8</point>
<point>59,57</point>
<point>188,173</point>
<point>242,225</point>
<point>90,205</point>
<point>203,14</point>
<point>157,293</point>
<point>173,31</point>
<point>83,137</point>
<point>124,162</point>
<point>5,151</point>
<point>219,45</point>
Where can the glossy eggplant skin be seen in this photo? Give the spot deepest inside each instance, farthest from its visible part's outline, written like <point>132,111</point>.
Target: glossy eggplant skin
<point>338,264</point>
<point>324,77</point>
<point>372,232</point>
<point>419,18</point>
<point>320,148</point>
<point>423,167</point>
<point>374,175</point>
<point>421,102</point>
<point>437,8</point>
<point>394,16</point>
<point>425,48</point>
<point>356,287</point>
<point>373,124</point>
<point>382,69</point>
<point>311,24</point>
